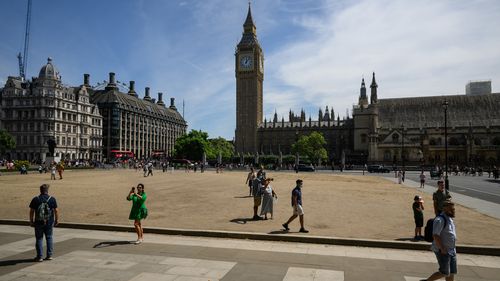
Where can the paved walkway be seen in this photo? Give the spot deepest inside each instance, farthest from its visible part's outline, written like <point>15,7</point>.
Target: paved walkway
<point>100,255</point>
<point>485,207</point>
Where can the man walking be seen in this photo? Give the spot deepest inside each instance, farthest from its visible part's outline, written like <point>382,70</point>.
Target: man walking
<point>44,215</point>
<point>297,207</point>
<point>443,246</point>
<point>257,195</point>
<point>439,197</point>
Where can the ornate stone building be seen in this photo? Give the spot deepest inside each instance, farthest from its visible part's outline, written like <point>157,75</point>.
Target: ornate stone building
<point>390,130</point>
<point>380,131</point>
<point>142,126</point>
<point>41,109</point>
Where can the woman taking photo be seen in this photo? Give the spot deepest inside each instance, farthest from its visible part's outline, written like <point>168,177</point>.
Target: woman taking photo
<point>139,210</point>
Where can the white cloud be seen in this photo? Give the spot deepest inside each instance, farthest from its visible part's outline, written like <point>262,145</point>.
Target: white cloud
<point>416,48</point>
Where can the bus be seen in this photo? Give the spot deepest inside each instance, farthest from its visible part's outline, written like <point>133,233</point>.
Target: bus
<point>121,155</point>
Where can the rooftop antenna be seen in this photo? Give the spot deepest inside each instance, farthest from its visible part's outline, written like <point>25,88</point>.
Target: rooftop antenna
<point>23,60</point>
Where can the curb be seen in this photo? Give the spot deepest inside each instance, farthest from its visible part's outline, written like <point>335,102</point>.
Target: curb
<point>422,246</point>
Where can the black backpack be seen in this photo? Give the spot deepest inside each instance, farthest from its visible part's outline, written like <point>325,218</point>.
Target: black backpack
<point>429,228</point>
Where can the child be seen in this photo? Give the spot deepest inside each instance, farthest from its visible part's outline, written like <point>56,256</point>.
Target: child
<point>418,215</point>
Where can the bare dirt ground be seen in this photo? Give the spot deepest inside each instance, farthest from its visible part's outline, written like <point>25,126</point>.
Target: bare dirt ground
<point>349,206</point>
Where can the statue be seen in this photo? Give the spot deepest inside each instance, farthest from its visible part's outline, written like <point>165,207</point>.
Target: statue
<point>52,144</point>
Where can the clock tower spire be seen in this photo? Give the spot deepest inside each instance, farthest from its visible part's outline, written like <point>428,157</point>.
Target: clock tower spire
<point>249,72</point>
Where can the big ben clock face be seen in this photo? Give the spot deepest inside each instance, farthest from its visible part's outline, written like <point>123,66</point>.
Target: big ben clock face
<point>246,62</point>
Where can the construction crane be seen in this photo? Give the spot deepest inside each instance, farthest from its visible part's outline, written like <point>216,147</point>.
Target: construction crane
<point>23,60</point>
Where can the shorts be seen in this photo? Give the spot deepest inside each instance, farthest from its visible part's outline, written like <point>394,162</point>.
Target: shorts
<point>298,211</point>
<point>419,222</point>
<point>422,181</point>
<point>447,263</point>
<point>257,200</point>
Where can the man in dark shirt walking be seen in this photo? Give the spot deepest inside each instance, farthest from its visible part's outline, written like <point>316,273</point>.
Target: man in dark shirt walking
<point>297,207</point>
<point>44,215</point>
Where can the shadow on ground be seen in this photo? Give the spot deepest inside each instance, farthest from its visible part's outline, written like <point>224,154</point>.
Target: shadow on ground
<point>112,243</point>
<point>242,220</point>
<point>14,262</point>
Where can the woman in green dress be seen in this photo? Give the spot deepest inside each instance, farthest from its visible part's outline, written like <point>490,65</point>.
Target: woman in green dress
<point>139,210</point>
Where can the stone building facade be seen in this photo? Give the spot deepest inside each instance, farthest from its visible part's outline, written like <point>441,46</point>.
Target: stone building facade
<point>44,108</point>
<point>142,126</point>
<point>380,130</point>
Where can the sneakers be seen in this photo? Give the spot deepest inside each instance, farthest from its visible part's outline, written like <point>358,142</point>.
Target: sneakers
<point>38,259</point>
<point>303,230</point>
<point>285,226</point>
<point>138,241</point>
<point>48,258</point>
<point>257,218</point>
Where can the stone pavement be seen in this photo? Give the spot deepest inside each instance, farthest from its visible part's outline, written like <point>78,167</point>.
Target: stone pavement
<point>485,207</point>
<point>103,255</point>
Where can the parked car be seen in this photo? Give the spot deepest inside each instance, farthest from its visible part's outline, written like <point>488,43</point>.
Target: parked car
<point>305,168</point>
<point>378,169</point>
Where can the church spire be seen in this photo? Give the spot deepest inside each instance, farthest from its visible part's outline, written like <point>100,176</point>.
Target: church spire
<point>373,87</point>
<point>363,99</point>
<point>249,26</point>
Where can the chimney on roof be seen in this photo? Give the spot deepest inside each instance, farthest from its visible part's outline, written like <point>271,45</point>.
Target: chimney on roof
<point>146,95</point>
<point>153,100</point>
<point>172,104</point>
<point>112,83</point>
<point>131,90</point>
<point>160,99</point>
<point>112,78</point>
<point>86,79</point>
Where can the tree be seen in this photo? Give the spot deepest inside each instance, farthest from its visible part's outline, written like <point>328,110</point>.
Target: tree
<point>311,146</point>
<point>223,146</point>
<point>192,145</point>
<point>7,142</point>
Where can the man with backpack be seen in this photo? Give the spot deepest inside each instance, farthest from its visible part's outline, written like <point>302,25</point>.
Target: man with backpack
<point>44,215</point>
<point>443,244</point>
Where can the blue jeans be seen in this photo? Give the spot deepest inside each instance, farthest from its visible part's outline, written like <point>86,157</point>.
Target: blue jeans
<point>40,231</point>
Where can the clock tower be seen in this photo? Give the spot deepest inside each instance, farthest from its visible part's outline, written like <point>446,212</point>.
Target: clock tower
<point>249,71</point>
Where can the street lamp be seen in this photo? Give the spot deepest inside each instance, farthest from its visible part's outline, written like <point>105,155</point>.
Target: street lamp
<point>403,148</point>
<point>67,131</point>
<point>445,107</point>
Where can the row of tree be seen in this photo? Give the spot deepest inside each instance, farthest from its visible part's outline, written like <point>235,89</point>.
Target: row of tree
<point>195,143</point>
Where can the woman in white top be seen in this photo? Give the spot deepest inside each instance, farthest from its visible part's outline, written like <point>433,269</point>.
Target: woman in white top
<point>267,199</point>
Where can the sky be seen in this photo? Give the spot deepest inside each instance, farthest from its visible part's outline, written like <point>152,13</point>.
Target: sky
<point>316,51</point>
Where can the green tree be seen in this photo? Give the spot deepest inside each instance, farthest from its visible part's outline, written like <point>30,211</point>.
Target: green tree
<point>223,146</point>
<point>192,145</point>
<point>312,146</point>
<point>7,142</point>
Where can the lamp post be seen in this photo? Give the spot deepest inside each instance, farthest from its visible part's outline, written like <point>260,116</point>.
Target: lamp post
<point>445,107</point>
<point>403,149</point>
<point>67,141</point>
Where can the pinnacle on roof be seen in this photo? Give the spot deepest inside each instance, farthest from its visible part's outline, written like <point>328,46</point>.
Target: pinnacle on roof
<point>363,83</point>
<point>249,20</point>
<point>374,84</point>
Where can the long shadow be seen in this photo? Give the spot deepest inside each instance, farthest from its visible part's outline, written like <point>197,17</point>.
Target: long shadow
<point>493,181</point>
<point>14,262</point>
<point>112,243</point>
<point>412,239</point>
<point>248,196</point>
<point>281,231</point>
<point>242,220</point>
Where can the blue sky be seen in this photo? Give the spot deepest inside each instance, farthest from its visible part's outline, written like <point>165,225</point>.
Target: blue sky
<point>316,51</point>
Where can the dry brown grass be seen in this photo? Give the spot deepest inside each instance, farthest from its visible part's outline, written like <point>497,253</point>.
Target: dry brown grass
<point>335,205</point>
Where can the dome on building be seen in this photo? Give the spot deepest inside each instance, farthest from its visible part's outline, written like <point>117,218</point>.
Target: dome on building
<point>49,71</point>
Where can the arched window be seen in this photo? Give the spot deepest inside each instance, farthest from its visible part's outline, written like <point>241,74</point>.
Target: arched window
<point>395,138</point>
<point>363,138</point>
